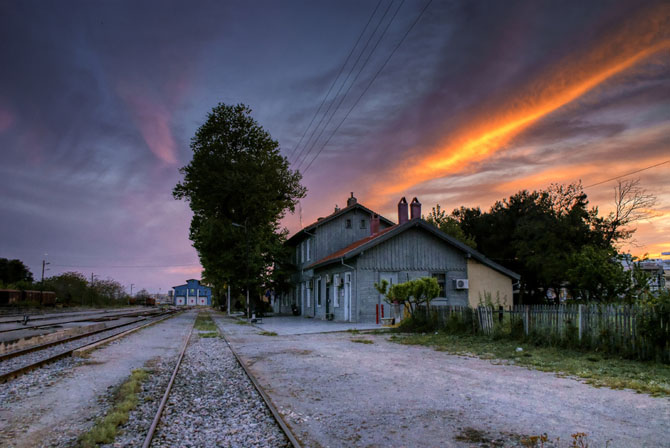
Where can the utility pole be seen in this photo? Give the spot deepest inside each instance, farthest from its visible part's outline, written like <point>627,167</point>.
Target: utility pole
<point>45,263</point>
<point>228,299</point>
<point>92,292</point>
<point>131,292</point>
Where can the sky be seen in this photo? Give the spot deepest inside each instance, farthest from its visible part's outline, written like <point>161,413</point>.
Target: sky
<point>460,103</point>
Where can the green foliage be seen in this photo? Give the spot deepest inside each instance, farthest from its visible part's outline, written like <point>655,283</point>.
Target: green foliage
<point>239,187</point>
<point>595,274</point>
<point>14,273</point>
<point>411,294</point>
<point>449,225</point>
<point>552,239</point>
<point>104,431</point>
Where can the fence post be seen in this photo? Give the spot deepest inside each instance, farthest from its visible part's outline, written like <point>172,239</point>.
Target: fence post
<point>526,319</point>
<point>580,322</point>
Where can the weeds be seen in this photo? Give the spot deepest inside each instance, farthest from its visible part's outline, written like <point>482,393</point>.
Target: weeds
<point>204,322</point>
<point>598,370</point>
<point>105,429</point>
<point>209,334</point>
<point>268,333</point>
<point>363,341</point>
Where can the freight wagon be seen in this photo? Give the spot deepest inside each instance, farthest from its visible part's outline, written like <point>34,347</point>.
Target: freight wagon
<point>12,296</point>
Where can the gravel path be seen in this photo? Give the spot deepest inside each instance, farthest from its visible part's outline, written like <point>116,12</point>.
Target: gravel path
<point>213,403</point>
<point>52,406</point>
<point>338,393</point>
<point>11,364</point>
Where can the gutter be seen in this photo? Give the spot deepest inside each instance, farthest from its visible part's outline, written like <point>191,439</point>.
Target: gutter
<point>346,265</point>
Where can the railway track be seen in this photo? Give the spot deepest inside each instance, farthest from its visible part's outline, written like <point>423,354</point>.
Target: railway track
<point>19,362</point>
<point>293,441</point>
<point>95,317</point>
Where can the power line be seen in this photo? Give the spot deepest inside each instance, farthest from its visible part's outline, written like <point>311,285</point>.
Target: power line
<point>127,266</point>
<point>370,83</point>
<point>627,174</point>
<point>353,67</point>
<point>335,80</point>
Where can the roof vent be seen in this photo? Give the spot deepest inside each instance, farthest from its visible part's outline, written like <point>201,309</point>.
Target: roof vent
<point>352,200</point>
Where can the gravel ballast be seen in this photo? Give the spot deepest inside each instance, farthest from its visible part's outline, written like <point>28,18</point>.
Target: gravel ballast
<point>214,403</point>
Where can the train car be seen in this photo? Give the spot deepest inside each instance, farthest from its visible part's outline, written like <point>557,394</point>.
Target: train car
<point>9,296</point>
<point>48,298</point>
<point>13,296</point>
<point>151,301</point>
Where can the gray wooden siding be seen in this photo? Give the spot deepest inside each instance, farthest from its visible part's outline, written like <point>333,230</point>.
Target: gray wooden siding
<point>414,250</point>
<point>333,235</point>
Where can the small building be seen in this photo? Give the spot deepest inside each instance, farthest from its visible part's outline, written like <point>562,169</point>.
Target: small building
<point>339,259</point>
<point>192,294</point>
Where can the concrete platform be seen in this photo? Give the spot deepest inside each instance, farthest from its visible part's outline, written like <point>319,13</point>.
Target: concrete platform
<point>288,325</point>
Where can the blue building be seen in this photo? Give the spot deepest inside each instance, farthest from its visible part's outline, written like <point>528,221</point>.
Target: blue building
<point>192,294</point>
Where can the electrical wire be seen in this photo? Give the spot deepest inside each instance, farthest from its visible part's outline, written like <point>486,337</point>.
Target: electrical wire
<point>353,67</point>
<point>369,84</point>
<point>335,80</point>
<point>627,174</point>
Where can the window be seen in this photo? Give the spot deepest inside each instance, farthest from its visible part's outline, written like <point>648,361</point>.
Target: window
<point>318,292</point>
<point>297,254</point>
<point>307,254</point>
<point>347,224</point>
<point>362,223</point>
<point>442,281</point>
<point>302,246</point>
<point>309,297</point>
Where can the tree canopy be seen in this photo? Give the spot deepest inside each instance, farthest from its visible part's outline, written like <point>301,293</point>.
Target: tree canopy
<point>239,187</point>
<point>554,240</point>
<point>14,271</point>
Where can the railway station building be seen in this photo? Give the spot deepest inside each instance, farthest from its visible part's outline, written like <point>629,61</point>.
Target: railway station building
<point>339,258</point>
<point>192,294</point>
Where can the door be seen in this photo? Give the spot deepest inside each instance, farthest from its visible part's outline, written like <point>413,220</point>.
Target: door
<point>181,300</point>
<point>347,297</point>
<point>202,300</point>
<point>191,301</point>
<point>384,309</point>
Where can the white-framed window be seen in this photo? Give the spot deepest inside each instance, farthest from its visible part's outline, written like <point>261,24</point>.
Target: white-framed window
<point>317,292</point>
<point>336,290</point>
<point>307,254</point>
<point>309,297</point>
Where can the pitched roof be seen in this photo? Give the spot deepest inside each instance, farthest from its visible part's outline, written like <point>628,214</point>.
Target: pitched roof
<point>337,214</point>
<point>366,243</point>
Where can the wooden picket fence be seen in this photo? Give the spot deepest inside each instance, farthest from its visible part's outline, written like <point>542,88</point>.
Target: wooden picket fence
<point>641,332</point>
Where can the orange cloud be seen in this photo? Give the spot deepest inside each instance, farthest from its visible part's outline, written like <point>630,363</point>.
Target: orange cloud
<point>488,133</point>
<point>153,120</point>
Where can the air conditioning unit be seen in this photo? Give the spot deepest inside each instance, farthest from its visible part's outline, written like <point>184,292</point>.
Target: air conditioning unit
<point>461,283</point>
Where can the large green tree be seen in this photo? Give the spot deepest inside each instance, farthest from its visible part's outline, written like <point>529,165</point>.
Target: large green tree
<point>239,187</point>
<point>13,272</point>
<point>542,235</point>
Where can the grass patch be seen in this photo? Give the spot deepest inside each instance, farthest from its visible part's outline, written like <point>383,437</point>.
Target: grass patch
<point>204,322</point>
<point>209,334</point>
<point>105,429</point>
<point>268,333</point>
<point>596,369</point>
<point>363,341</point>
<point>242,322</point>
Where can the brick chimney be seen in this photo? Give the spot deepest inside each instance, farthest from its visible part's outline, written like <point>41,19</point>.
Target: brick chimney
<point>352,200</point>
<point>374,224</point>
<point>415,209</point>
<point>402,211</point>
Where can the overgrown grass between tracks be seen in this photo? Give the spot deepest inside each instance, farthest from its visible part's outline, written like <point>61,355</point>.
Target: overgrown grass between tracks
<point>106,428</point>
<point>205,324</point>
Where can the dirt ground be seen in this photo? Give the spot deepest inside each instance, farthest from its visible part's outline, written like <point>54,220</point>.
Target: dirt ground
<point>338,393</point>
